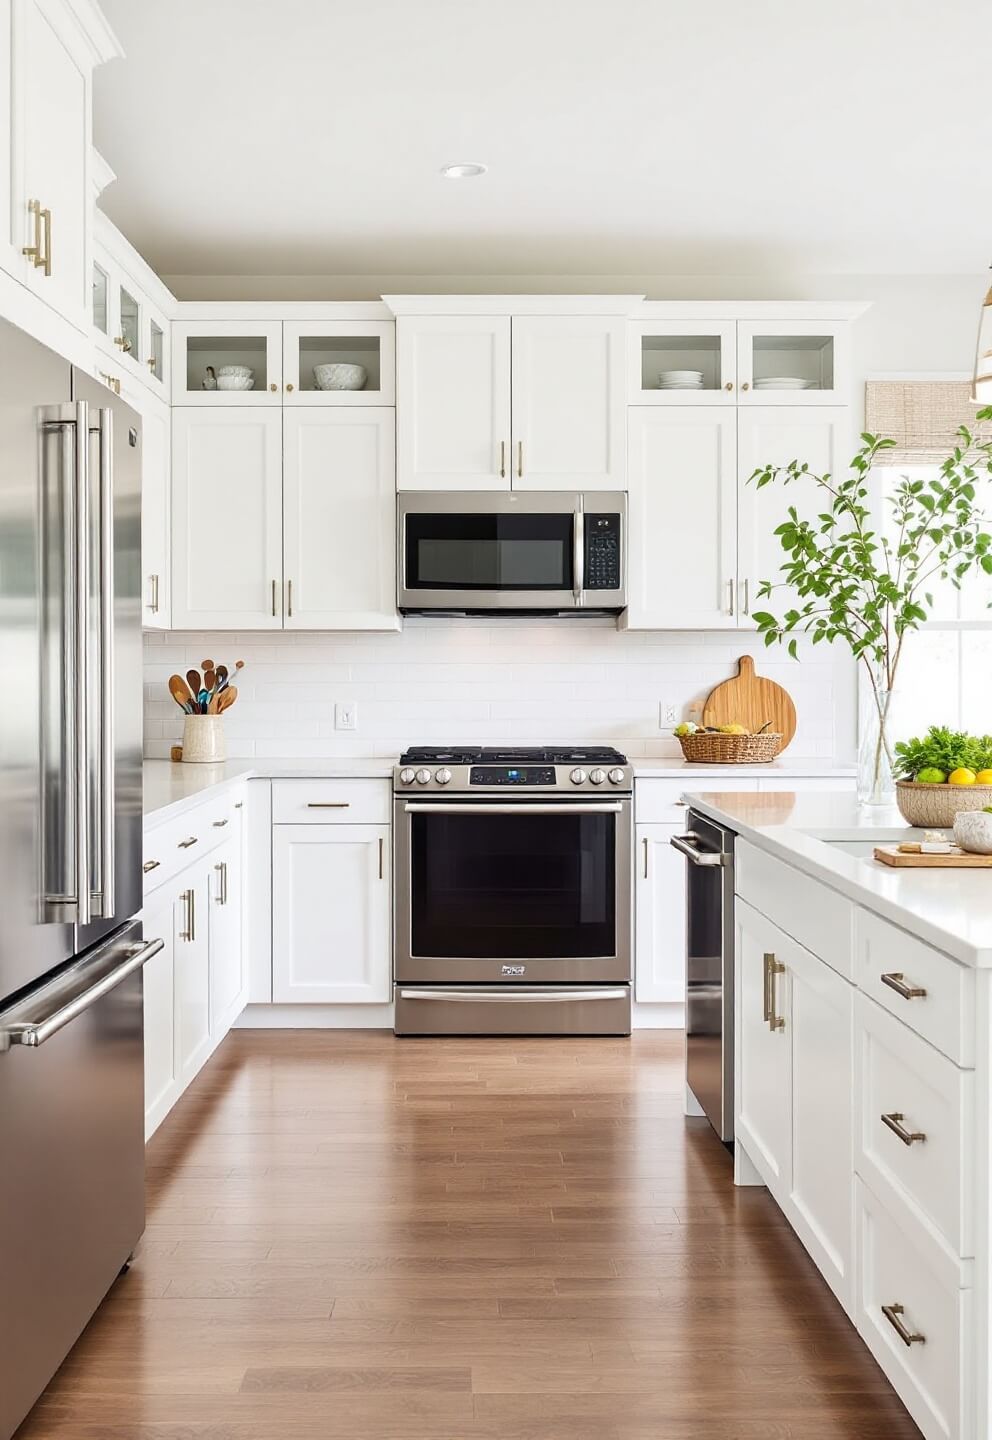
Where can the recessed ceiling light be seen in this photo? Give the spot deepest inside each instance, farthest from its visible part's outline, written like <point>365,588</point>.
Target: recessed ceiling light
<point>464,170</point>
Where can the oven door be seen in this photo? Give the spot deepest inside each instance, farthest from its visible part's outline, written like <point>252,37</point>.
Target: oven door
<point>499,890</point>
<point>490,551</point>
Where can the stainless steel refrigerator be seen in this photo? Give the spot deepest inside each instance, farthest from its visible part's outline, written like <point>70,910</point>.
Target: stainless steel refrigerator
<point>71,952</point>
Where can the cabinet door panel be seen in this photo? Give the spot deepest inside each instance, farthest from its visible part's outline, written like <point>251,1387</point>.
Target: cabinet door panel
<point>659,913</point>
<point>227,519</point>
<point>453,402</point>
<point>227,967</point>
<point>339,518</point>
<point>156,590</point>
<point>764,1057</point>
<point>192,974</point>
<point>773,435</point>
<point>330,913</point>
<point>161,1068</point>
<point>569,406</point>
<point>682,535</point>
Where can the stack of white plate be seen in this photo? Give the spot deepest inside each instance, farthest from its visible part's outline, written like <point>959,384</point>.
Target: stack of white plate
<point>782,382</point>
<point>680,380</point>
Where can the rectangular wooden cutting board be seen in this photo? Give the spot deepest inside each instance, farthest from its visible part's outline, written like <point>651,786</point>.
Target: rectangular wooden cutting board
<point>956,860</point>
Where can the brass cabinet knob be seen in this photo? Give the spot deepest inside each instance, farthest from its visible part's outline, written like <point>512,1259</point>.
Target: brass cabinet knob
<point>729,385</point>
<point>746,385</point>
<point>289,385</point>
<point>273,387</point>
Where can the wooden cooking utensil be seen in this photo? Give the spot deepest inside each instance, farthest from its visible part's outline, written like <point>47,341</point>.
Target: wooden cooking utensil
<point>221,673</point>
<point>180,691</point>
<point>210,681</point>
<point>751,700</point>
<point>194,682</point>
<point>226,698</point>
<point>207,665</point>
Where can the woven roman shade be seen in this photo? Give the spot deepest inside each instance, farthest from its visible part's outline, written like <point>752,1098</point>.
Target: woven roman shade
<point>921,416</point>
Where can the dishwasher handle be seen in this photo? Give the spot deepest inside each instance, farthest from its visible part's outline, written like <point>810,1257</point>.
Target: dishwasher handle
<point>686,846</point>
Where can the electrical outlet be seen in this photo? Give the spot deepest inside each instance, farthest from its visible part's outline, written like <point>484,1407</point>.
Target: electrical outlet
<point>346,715</point>
<point>667,714</point>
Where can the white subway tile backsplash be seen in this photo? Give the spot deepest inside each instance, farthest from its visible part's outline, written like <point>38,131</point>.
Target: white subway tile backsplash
<point>480,681</point>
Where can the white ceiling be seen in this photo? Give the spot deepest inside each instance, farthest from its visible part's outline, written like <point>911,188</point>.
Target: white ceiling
<point>638,136</point>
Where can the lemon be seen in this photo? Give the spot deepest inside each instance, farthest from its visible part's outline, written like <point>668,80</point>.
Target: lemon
<point>984,777</point>
<point>931,776</point>
<point>686,728</point>
<point>733,729</point>
<point>961,776</point>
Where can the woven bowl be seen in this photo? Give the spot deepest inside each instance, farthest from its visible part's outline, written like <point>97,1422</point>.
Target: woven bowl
<point>715,749</point>
<point>933,807</point>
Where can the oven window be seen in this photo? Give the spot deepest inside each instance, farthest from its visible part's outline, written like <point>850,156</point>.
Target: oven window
<point>489,552</point>
<point>513,887</point>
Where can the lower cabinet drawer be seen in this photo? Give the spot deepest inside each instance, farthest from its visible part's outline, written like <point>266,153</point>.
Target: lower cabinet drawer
<point>819,918</point>
<point>915,1131</point>
<point>915,1319</point>
<point>320,802</point>
<point>926,990</point>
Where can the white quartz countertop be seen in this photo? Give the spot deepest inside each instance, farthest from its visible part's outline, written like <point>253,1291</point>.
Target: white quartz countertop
<point>673,768</point>
<point>949,909</point>
<point>169,789</point>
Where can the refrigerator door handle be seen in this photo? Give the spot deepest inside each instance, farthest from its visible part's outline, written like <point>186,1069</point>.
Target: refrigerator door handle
<point>108,799</point>
<point>66,1009</point>
<point>77,668</point>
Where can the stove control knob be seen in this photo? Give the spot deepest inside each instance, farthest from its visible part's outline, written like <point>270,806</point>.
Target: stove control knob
<point>423,777</point>
<point>616,777</point>
<point>597,776</point>
<point>577,777</point>
<point>406,775</point>
<point>443,776</point>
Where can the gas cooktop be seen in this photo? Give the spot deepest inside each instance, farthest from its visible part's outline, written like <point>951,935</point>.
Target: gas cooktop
<point>513,755</point>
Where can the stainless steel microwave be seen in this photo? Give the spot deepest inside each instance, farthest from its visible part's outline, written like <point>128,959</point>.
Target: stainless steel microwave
<point>511,551</point>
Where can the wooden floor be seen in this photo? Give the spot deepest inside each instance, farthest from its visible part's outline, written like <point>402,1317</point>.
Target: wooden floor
<point>352,1235</point>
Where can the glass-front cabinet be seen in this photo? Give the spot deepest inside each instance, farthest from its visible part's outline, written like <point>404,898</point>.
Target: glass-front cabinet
<point>682,362</point>
<point>128,337</point>
<point>155,358</point>
<point>339,362</point>
<point>101,300</point>
<point>236,362</point>
<point>792,362</point>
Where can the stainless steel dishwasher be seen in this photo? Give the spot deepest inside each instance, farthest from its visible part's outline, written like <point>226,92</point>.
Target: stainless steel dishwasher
<point>709,968</point>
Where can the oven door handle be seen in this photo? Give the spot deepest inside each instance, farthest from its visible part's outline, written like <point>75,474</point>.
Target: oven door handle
<point>607,807</point>
<point>683,843</point>
<point>513,997</point>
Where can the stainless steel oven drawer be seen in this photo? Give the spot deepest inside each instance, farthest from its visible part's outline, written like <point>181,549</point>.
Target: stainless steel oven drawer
<point>512,1010</point>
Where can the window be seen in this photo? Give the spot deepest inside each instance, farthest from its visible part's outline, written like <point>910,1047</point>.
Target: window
<point>945,675</point>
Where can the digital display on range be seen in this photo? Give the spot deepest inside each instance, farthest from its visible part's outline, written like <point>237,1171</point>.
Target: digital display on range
<point>512,775</point>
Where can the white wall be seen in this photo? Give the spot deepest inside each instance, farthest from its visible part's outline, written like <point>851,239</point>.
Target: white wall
<point>480,682</point>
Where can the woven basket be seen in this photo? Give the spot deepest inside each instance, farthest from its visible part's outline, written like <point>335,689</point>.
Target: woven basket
<point>715,749</point>
<point>933,807</point>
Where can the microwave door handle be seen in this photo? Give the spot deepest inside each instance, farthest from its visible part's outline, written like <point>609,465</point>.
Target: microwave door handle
<point>578,555</point>
<point>684,844</point>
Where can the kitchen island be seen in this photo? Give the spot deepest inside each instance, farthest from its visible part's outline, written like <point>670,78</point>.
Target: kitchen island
<point>862,1081</point>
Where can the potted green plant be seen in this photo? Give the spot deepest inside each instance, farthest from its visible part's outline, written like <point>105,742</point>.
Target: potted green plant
<point>868,584</point>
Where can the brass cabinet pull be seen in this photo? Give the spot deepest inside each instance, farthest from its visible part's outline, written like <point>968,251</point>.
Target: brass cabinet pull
<point>111,381</point>
<point>645,857</point>
<point>273,598</point>
<point>732,590</point>
<point>381,847</point>
<point>289,599</point>
<point>34,252</point>
<point>150,865</point>
<point>894,1314</point>
<point>153,602</point>
<point>894,1121</point>
<point>502,459</point>
<point>765,1002</point>
<point>124,344</point>
<point>896,981</point>
<point>150,362</point>
<point>520,459</point>
<point>218,824</point>
<point>46,216</point>
<point>238,804</point>
<point>773,967</point>
<point>222,872</point>
<point>185,844</point>
<point>747,597</point>
<point>328,804</point>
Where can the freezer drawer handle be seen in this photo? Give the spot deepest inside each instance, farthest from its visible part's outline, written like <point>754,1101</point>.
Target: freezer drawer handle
<point>684,844</point>
<point>39,1031</point>
<point>897,981</point>
<point>894,1314</point>
<point>894,1121</point>
<point>419,808</point>
<point>499,997</point>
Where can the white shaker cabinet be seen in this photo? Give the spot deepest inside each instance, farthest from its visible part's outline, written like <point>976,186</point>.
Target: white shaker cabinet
<point>568,403</point>
<point>339,518</point>
<point>156,520</point>
<point>331,913</point>
<point>682,530</point>
<point>161,1070</point>
<point>764,1049</point>
<point>453,402</point>
<point>192,951</point>
<point>227,519</point>
<point>659,915</point>
<point>774,435</point>
<point>228,977</point>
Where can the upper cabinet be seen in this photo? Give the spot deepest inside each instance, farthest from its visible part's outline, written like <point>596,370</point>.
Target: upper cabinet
<point>130,311</point>
<point>510,401</point>
<point>798,363</point>
<point>682,362</point>
<point>338,362</point>
<point>54,48</point>
<point>230,363</point>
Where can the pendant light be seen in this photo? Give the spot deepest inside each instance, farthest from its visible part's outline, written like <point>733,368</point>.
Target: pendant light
<point>981,389</point>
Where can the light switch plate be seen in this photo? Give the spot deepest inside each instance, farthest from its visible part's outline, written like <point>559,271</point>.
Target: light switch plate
<point>346,715</point>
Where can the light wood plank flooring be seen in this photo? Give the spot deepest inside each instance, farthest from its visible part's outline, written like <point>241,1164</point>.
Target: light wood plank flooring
<point>352,1235</point>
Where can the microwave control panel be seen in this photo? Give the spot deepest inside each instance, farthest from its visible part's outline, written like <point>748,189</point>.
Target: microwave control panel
<point>602,557</point>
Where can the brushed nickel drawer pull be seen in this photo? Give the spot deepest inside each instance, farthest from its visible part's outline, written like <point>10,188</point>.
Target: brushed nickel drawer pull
<point>502,459</point>
<point>238,804</point>
<point>150,865</point>
<point>189,934</point>
<point>896,981</point>
<point>185,844</point>
<point>775,967</point>
<point>328,804</point>
<point>894,1314</point>
<point>222,872</point>
<point>273,598</point>
<point>894,1122</point>
<point>645,857</point>
<point>766,1005</point>
<point>520,459</point>
<point>381,848</point>
<point>218,824</point>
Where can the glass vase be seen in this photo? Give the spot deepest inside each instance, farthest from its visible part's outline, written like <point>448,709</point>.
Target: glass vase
<point>876,785</point>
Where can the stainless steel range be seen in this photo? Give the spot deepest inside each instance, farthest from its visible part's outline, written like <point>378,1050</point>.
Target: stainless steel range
<point>513,891</point>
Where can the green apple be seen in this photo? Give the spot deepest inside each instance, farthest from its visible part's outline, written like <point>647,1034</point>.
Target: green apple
<point>931,776</point>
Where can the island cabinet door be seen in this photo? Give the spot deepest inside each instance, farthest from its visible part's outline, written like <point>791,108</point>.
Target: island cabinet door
<point>821,1188</point>
<point>764,1050</point>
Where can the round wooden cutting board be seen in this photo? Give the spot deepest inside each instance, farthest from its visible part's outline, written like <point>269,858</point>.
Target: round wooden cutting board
<point>750,700</point>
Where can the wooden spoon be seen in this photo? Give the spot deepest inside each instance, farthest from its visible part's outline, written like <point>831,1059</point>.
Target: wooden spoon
<point>194,682</point>
<point>180,691</point>
<point>208,665</point>
<point>226,698</point>
<point>210,681</point>
<point>222,673</point>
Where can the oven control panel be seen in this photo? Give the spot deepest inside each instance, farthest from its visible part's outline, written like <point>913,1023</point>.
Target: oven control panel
<point>500,775</point>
